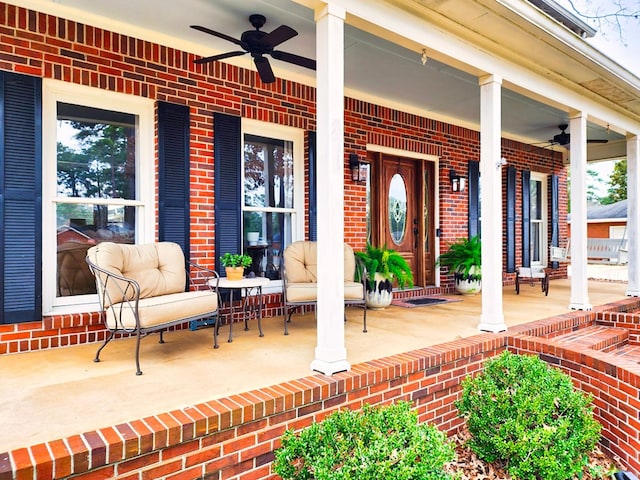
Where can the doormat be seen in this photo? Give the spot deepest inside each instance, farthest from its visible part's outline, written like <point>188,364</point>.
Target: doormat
<point>421,301</point>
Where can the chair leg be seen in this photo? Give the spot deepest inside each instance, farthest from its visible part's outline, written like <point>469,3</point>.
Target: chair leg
<point>161,337</point>
<point>138,371</point>
<point>215,332</point>
<point>517,284</point>
<point>111,334</point>
<point>364,330</point>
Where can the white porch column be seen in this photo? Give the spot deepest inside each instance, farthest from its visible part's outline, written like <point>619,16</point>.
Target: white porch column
<point>633,215</point>
<point>492,316</point>
<point>330,353</point>
<point>578,158</point>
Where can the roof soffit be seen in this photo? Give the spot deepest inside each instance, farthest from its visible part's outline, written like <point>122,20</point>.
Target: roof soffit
<point>524,35</point>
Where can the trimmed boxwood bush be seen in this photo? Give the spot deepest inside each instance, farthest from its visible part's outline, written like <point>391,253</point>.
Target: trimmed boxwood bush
<point>375,443</point>
<point>528,415</point>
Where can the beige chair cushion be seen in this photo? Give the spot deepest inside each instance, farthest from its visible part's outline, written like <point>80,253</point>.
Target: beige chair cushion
<point>301,261</point>
<point>308,292</point>
<point>163,309</point>
<point>159,268</point>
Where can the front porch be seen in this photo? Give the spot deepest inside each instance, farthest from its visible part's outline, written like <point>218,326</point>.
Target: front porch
<point>52,394</point>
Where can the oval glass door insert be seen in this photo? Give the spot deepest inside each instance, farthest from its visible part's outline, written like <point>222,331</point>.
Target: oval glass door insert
<point>397,209</point>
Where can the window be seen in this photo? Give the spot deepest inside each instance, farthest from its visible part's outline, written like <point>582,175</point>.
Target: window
<point>272,193</point>
<point>538,219</point>
<point>98,182</point>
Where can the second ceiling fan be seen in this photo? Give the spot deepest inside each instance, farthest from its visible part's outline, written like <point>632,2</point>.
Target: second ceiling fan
<point>259,43</point>
<point>563,138</point>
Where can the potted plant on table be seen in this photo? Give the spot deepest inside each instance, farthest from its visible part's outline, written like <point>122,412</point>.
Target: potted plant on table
<point>464,259</point>
<point>384,267</point>
<point>234,264</point>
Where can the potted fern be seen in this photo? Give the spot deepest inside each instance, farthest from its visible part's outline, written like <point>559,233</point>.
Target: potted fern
<point>464,259</point>
<point>383,267</point>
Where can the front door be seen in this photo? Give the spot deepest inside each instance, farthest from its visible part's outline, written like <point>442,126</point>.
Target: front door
<point>404,212</point>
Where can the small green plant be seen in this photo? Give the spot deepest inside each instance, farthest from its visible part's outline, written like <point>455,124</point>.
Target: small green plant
<point>375,443</point>
<point>235,260</point>
<point>387,262</point>
<point>524,413</point>
<point>463,256</point>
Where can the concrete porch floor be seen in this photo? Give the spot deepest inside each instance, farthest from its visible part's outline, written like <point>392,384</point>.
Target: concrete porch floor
<point>55,393</point>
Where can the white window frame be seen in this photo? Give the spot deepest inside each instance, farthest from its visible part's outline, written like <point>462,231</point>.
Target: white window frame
<point>296,136</point>
<point>55,91</point>
<point>544,220</point>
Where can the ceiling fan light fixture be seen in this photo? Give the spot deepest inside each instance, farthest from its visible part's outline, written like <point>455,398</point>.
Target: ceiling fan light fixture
<point>424,57</point>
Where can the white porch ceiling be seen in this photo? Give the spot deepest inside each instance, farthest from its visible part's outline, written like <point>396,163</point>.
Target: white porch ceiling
<point>375,68</point>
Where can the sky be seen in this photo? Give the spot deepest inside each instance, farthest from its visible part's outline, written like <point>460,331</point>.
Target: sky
<point>621,44</point>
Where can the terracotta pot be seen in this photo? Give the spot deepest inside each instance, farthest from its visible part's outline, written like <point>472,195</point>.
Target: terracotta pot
<point>234,273</point>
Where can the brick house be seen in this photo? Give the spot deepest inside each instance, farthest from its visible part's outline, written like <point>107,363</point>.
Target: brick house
<point>190,160</point>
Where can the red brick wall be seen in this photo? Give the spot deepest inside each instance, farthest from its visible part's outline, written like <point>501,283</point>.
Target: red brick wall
<point>234,437</point>
<point>53,48</point>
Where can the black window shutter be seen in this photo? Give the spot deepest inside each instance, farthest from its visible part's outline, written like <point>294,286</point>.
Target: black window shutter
<point>511,219</point>
<point>526,218</point>
<point>555,215</point>
<point>474,198</point>
<point>21,197</point>
<point>173,175</point>
<point>227,145</point>
<point>313,212</point>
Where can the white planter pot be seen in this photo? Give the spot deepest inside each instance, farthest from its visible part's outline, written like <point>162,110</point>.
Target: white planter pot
<point>469,287</point>
<point>381,295</point>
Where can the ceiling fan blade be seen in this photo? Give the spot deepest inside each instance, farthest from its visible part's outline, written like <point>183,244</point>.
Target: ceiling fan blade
<point>213,58</point>
<point>264,70</point>
<point>295,59</point>
<point>278,36</point>
<point>220,35</point>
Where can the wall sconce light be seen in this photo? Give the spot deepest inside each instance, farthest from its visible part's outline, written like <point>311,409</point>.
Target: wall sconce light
<point>458,182</point>
<point>358,169</point>
<point>501,163</point>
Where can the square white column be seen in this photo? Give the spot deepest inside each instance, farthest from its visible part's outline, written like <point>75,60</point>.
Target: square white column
<point>633,215</point>
<point>492,316</point>
<point>578,160</point>
<point>330,352</point>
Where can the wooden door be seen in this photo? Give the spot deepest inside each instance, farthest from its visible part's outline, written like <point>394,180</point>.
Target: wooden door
<point>404,212</point>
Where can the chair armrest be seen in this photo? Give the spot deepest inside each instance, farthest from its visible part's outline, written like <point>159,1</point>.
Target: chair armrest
<point>109,284</point>
<point>201,278</point>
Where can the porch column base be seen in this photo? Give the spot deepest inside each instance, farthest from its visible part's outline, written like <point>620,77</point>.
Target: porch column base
<point>492,327</point>
<point>580,306</point>
<point>329,368</point>
<point>632,292</point>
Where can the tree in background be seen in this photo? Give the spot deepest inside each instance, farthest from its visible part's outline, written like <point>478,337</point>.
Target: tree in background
<point>617,183</point>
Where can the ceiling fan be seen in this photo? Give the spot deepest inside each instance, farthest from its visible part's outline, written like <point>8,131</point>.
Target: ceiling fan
<point>563,138</point>
<point>259,43</point>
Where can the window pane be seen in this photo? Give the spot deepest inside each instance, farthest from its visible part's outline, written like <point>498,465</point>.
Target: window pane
<point>274,234</point>
<point>535,249</point>
<point>80,226</point>
<point>268,172</point>
<point>95,153</point>
<point>397,209</point>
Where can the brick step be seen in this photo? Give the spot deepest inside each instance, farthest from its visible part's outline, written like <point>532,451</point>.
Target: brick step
<point>630,353</point>
<point>596,337</point>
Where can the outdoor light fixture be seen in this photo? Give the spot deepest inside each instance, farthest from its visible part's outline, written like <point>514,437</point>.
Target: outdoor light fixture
<point>358,169</point>
<point>458,182</point>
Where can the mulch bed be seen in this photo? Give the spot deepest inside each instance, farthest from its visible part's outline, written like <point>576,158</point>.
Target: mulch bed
<point>469,467</point>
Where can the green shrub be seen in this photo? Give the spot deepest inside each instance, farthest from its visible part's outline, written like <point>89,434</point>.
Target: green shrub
<point>375,443</point>
<point>528,415</point>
